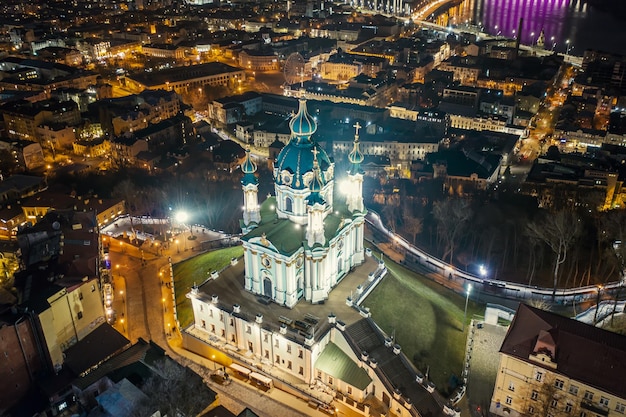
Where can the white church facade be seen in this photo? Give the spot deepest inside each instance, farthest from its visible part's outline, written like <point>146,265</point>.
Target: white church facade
<point>302,244</point>
<point>298,245</point>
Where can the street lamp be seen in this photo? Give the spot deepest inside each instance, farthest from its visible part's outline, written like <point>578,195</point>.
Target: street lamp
<point>181,217</point>
<point>177,246</point>
<point>595,315</point>
<point>568,47</point>
<point>467,294</point>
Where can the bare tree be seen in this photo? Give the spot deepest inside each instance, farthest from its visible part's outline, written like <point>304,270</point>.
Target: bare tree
<point>452,216</point>
<point>559,231</point>
<point>412,225</point>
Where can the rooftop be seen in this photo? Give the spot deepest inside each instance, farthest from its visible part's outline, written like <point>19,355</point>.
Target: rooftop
<point>584,352</point>
<point>336,363</point>
<point>229,287</point>
<point>177,74</point>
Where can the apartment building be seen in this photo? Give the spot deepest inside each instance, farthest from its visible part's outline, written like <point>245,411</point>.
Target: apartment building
<point>552,365</point>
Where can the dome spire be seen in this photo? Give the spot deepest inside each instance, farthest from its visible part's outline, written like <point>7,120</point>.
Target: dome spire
<point>248,168</point>
<point>355,157</point>
<point>302,124</point>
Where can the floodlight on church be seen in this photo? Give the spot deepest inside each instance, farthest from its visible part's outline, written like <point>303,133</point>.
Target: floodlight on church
<point>181,216</point>
<point>344,187</point>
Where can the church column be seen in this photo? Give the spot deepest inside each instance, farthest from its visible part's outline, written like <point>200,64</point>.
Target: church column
<point>308,266</point>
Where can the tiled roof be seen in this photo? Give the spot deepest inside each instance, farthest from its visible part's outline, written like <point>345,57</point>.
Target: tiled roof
<point>394,369</point>
<point>584,352</point>
<point>334,362</point>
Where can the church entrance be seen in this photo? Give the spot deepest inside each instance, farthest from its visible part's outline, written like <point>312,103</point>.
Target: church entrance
<point>340,274</point>
<point>267,287</point>
<point>300,285</point>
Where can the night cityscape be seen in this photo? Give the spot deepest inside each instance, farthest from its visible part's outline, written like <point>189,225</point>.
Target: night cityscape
<point>359,208</point>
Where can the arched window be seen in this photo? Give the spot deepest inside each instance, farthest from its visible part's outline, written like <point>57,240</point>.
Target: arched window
<point>288,205</point>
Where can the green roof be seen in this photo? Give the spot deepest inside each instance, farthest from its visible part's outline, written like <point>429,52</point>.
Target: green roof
<point>334,362</point>
<point>287,236</point>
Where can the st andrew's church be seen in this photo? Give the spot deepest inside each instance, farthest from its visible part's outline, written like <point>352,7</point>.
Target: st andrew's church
<point>302,242</point>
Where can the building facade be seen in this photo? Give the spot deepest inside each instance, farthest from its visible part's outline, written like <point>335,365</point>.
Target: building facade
<point>308,246</point>
<point>555,366</point>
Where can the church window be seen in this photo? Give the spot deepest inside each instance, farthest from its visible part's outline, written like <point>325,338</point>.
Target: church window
<point>277,358</point>
<point>265,337</point>
<point>232,322</point>
<point>288,205</point>
<point>301,371</point>
<point>267,354</point>
<point>203,324</point>
<point>248,329</point>
<point>250,347</point>
<point>300,353</point>
<point>223,333</point>
<point>213,328</point>
<point>288,348</point>
<point>288,364</point>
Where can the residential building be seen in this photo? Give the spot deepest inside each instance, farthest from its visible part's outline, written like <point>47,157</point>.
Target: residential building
<point>259,60</point>
<point>38,75</point>
<point>125,148</point>
<point>92,148</point>
<point>184,79</point>
<point>164,50</point>
<point>463,170</point>
<point>233,109</point>
<point>554,365</point>
<point>22,119</point>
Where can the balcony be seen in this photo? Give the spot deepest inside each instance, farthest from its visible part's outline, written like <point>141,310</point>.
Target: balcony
<point>594,407</point>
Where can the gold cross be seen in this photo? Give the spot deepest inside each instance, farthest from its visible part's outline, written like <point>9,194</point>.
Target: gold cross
<point>357,126</point>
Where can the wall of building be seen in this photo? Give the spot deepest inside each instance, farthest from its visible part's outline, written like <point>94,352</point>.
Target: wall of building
<point>19,360</point>
<point>70,317</point>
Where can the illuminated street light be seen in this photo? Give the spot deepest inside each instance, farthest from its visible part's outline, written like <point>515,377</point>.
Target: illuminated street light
<point>599,294</point>
<point>482,270</point>
<point>181,216</point>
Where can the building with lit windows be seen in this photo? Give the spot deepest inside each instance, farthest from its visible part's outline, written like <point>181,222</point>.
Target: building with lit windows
<point>551,365</point>
<point>184,79</point>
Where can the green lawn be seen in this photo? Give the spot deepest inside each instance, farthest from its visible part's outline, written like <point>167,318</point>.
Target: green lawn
<point>196,270</point>
<point>427,319</point>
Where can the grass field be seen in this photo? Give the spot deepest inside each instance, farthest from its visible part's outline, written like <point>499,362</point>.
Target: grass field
<point>196,270</point>
<point>427,319</point>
